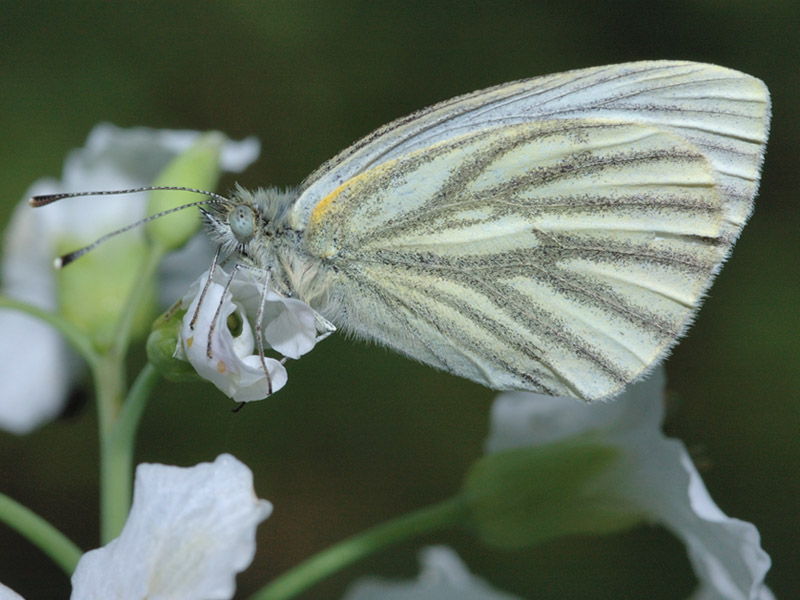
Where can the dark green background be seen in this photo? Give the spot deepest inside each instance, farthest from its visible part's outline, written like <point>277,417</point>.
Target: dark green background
<point>361,435</point>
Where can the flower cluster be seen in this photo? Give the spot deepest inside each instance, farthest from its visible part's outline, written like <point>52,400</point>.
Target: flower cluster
<point>36,368</point>
<point>116,159</point>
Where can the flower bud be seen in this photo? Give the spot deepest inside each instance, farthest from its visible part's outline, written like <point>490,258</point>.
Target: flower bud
<point>94,290</point>
<point>161,346</point>
<point>199,168</point>
<point>528,495</point>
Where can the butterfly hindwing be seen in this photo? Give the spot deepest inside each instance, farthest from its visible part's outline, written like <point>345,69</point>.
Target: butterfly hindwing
<point>560,256</point>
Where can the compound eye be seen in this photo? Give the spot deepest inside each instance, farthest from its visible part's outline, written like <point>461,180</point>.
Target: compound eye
<point>242,222</point>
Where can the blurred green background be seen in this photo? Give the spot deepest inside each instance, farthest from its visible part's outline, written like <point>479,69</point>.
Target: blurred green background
<point>361,435</point>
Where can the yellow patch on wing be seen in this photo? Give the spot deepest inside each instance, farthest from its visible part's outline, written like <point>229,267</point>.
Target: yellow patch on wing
<point>324,206</point>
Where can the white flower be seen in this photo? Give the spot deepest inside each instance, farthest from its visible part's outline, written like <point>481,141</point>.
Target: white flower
<point>35,369</point>
<point>8,594</point>
<point>443,577</point>
<point>190,531</point>
<point>234,364</point>
<point>652,475</point>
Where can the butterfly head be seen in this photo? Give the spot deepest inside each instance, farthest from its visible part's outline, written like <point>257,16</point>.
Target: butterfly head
<point>250,223</point>
<point>242,223</point>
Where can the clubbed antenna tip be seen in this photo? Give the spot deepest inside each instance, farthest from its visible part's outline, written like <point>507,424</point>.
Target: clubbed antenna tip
<point>63,261</point>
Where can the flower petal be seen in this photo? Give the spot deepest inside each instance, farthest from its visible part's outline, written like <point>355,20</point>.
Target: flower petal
<point>8,594</point>
<point>233,366</point>
<point>725,552</point>
<point>290,326</point>
<point>34,371</point>
<point>35,365</point>
<point>179,268</point>
<point>190,531</point>
<point>521,419</point>
<point>443,577</point>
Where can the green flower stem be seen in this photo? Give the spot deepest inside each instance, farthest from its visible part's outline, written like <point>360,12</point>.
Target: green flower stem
<point>114,478</point>
<point>117,420</point>
<point>116,465</point>
<point>134,407</point>
<point>74,336</point>
<point>439,516</point>
<point>34,528</point>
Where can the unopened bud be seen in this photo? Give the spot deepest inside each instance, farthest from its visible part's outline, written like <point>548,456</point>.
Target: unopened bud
<point>197,168</point>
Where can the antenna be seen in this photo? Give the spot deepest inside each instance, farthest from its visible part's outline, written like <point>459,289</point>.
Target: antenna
<point>45,199</point>
<point>63,261</point>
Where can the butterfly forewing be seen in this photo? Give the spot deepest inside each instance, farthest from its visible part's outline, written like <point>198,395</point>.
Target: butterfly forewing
<point>722,112</point>
<point>558,256</point>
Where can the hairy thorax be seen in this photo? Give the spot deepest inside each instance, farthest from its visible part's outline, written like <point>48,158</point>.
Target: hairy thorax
<point>257,231</point>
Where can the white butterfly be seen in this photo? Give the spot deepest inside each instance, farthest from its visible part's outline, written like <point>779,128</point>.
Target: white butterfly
<point>555,234</point>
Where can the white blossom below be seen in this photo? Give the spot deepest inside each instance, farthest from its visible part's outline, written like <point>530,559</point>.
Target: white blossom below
<point>189,532</point>
<point>443,576</point>
<point>653,475</point>
<point>8,594</point>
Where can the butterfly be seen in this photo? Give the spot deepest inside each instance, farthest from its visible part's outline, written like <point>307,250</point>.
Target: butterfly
<point>554,234</point>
